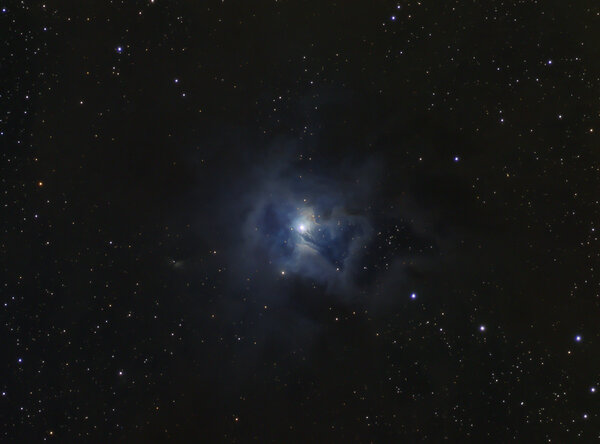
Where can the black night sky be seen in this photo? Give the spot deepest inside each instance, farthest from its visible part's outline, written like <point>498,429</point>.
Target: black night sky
<point>300,221</point>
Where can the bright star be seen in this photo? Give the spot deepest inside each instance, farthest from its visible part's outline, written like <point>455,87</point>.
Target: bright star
<point>304,221</point>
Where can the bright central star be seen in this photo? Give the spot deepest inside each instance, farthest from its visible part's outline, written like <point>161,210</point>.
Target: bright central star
<point>302,228</point>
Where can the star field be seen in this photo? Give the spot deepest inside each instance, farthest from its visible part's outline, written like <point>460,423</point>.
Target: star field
<point>310,221</point>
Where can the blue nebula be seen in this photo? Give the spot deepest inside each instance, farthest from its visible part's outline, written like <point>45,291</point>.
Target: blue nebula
<point>289,236</point>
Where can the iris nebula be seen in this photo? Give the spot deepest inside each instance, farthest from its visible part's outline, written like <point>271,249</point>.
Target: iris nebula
<point>302,223</point>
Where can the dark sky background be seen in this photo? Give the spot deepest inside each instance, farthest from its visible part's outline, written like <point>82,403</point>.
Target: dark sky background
<point>300,221</point>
